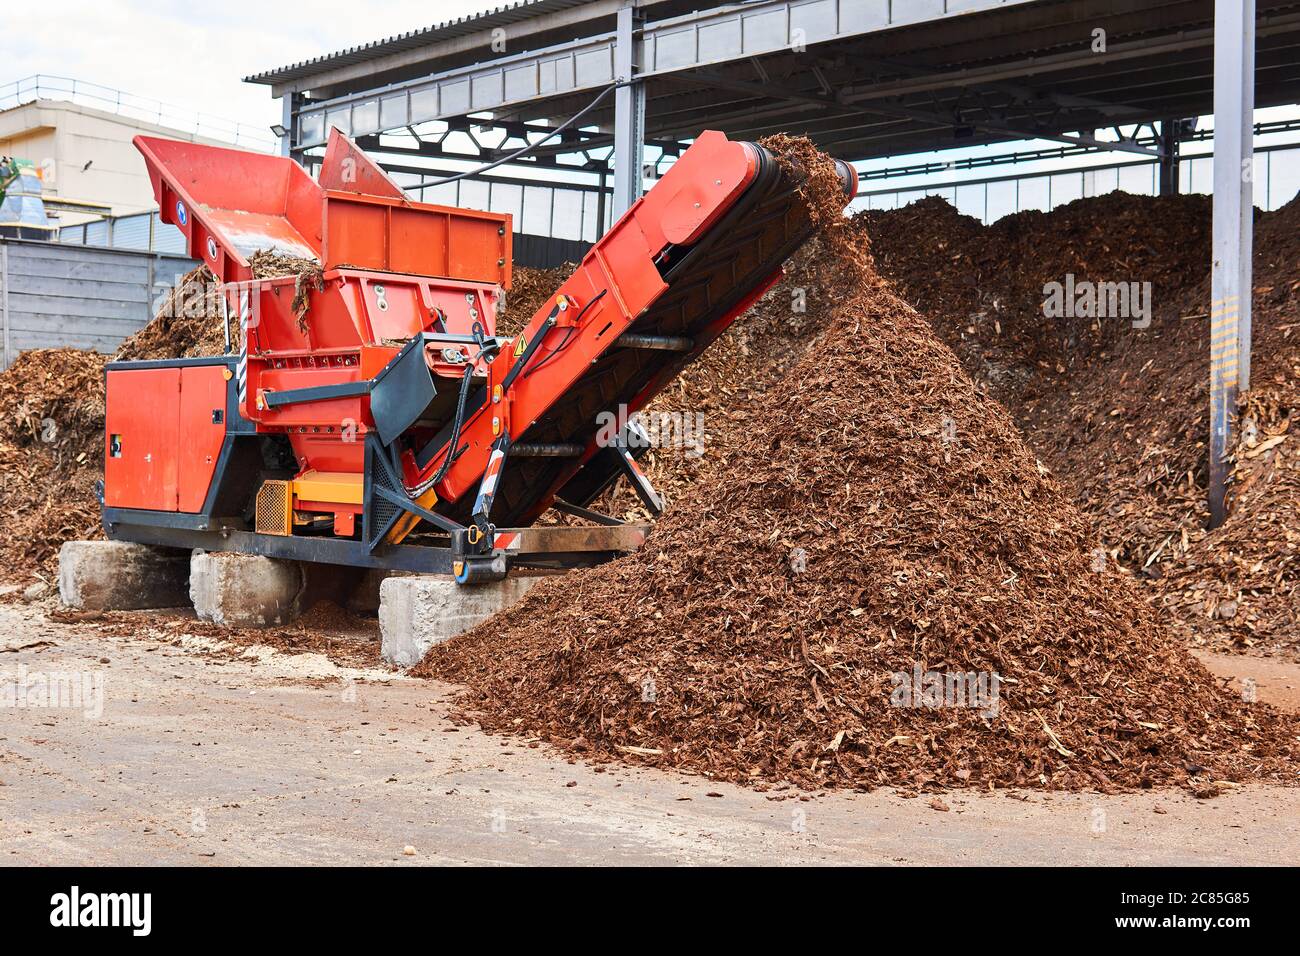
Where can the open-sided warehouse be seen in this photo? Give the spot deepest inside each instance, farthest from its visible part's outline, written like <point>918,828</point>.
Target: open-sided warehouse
<point>815,503</point>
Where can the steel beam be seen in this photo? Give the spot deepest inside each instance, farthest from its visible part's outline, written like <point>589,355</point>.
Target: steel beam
<point>839,104</point>
<point>629,114</point>
<point>519,33</point>
<point>602,198</point>
<point>706,37</point>
<point>571,538</point>
<point>1170,136</point>
<point>1234,103</point>
<point>288,109</point>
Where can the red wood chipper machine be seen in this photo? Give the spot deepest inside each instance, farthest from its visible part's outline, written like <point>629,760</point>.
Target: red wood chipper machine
<point>380,421</point>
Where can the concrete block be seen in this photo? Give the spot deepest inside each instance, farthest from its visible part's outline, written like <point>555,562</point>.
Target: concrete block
<point>417,612</point>
<point>245,590</point>
<point>122,576</point>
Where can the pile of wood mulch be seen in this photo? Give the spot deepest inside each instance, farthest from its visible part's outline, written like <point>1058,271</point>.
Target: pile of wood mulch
<point>1120,414</point>
<point>1241,583</point>
<point>982,286</point>
<point>877,516</point>
<point>884,516</point>
<point>530,289</point>
<point>51,456</point>
<point>188,322</point>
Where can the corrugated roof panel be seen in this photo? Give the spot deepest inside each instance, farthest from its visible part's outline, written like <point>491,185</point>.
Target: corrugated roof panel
<point>506,14</point>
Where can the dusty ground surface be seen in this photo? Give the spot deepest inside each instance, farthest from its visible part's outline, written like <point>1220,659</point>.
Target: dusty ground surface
<point>201,759</point>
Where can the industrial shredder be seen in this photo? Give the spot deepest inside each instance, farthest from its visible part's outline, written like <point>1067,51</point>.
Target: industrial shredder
<point>381,421</point>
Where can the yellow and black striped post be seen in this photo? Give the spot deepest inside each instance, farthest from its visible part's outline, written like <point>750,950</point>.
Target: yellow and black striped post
<point>1225,364</point>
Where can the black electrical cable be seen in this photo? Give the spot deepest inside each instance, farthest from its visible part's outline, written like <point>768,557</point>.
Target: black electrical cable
<point>459,421</point>
<point>569,334</point>
<point>523,151</point>
<point>456,425</point>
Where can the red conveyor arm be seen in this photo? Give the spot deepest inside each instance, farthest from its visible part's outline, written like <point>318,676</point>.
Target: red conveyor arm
<point>678,267</point>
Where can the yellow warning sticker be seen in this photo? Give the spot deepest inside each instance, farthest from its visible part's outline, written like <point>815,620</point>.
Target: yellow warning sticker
<point>521,343</point>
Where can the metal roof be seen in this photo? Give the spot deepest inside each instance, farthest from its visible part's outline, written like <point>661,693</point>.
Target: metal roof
<point>497,16</point>
<point>925,75</point>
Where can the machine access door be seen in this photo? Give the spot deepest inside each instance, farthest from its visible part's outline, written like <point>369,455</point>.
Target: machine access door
<point>142,439</point>
<point>164,429</point>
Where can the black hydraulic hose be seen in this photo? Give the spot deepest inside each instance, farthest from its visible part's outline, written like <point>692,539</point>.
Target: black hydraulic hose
<point>456,425</point>
<point>570,332</point>
<point>531,146</point>
<point>459,421</point>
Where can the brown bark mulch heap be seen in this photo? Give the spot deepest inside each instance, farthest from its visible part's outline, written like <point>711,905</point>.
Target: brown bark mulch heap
<point>882,517</point>
<point>529,291</point>
<point>1120,413</point>
<point>982,286</point>
<point>188,322</point>
<point>51,455</point>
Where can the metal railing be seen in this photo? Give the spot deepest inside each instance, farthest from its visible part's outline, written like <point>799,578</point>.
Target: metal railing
<point>144,231</point>
<point>1277,180</point>
<point>539,209</point>
<point>92,95</point>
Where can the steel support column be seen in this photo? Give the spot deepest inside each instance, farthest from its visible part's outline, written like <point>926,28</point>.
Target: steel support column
<point>1170,137</point>
<point>1234,102</point>
<point>629,115</point>
<point>601,198</point>
<point>1246,219</point>
<point>287,110</point>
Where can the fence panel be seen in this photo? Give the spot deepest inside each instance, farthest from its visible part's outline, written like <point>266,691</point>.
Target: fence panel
<point>58,294</point>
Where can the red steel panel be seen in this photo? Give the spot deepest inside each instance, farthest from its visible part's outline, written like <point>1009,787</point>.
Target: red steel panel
<point>356,232</point>
<point>229,203</point>
<point>203,398</point>
<point>348,169</point>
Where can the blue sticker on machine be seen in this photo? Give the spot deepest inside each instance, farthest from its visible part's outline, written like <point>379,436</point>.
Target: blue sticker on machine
<point>180,212</point>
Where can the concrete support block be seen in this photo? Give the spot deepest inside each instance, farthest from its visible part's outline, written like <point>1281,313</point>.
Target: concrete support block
<point>417,612</point>
<point>246,590</point>
<point>122,576</point>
